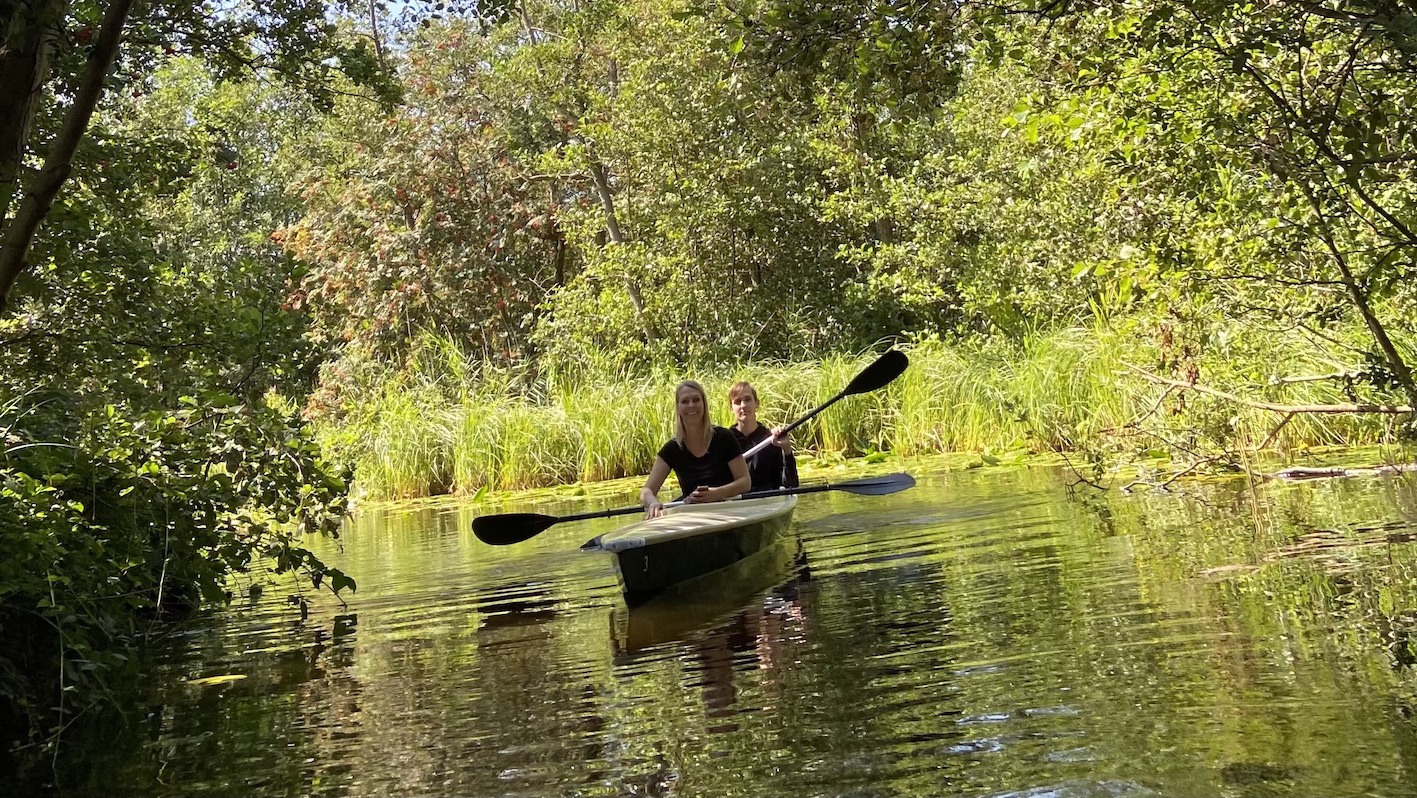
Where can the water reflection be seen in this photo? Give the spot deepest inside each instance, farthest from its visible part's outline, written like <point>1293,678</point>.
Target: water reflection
<point>723,628</point>
<point>981,634</point>
<point>736,590</point>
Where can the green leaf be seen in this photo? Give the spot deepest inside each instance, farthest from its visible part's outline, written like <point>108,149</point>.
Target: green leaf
<point>339,581</point>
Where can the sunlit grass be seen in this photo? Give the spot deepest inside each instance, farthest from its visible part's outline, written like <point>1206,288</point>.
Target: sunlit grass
<point>448,423</point>
<point>538,445</point>
<point>475,446</point>
<point>406,445</point>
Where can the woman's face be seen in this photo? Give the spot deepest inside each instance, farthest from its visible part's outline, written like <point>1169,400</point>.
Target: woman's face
<point>745,407</point>
<point>691,404</point>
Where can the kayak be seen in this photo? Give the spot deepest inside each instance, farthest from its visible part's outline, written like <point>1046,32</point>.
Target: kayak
<point>690,540</point>
<point>702,602</point>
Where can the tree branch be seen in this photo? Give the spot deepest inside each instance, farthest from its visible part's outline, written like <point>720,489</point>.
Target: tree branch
<point>1190,469</point>
<point>19,234</point>
<point>1337,375</point>
<point>1360,300</point>
<point>1272,406</point>
<point>1274,433</point>
<point>612,228</point>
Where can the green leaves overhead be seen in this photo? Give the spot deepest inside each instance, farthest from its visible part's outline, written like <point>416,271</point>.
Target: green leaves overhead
<point>907,55</point>
<point>1292,118</point>
<point>149,445</point>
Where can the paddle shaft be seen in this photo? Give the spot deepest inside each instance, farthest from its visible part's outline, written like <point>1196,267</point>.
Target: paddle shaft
<point>766,494</point>
<point>766,442</point>
<point>604,513</point>
<point>501,530</point>
<point>758,494</point>
<point>885,368</point>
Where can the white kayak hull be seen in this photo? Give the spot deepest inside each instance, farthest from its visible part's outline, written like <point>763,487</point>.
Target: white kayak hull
<point>691,540</point>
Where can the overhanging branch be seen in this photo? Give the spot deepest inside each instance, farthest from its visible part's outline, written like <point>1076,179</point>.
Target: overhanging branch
<point>1357,407</point>
<point>19,234</point>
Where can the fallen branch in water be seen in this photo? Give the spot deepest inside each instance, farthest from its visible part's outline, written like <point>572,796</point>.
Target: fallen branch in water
<point>1358,407</point>
<point>1309,472</point>
<point>1288,413</point>
<point>1190,469</point>
<point>1237,460</point>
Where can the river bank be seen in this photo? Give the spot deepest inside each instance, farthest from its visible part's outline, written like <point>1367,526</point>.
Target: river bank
<point>458,429</point>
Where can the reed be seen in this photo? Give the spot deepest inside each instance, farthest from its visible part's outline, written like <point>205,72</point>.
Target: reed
<point>406,445</point>
<point>476,446</point>
<point>447,422</point>
<point>537,445</point>
<point>621,425</point>
<point>949,400</point>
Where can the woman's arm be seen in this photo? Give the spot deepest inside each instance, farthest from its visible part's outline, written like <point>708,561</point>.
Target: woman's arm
<point>740,484</point>
<point>649,494</point>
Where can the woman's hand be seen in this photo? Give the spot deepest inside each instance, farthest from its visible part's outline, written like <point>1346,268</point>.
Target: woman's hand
<point>649,494</point>
<point>782,440</point>
<point>700,495</point>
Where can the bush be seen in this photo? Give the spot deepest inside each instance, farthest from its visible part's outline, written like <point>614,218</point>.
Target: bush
<point>144,513</point>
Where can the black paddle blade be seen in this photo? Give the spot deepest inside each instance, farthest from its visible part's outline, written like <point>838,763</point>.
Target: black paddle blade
<point>877,486</point>
<point>509,528</point>
<point>886,368</point>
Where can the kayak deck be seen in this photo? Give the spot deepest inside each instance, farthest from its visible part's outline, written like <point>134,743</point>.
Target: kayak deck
<point>692,520</point>
<point>692,540</point>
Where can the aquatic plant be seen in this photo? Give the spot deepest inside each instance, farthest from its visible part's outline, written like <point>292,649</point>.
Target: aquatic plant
<point>449,423</point>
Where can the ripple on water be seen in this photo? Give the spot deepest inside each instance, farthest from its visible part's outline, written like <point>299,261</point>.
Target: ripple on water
<point>977,636</point>
<point>1082,789</point>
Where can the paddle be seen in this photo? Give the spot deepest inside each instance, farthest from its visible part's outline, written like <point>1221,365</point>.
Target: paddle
<point>508,528</point>
<point>886,368</point>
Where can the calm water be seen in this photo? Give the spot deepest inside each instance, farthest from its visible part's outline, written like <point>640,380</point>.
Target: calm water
<point>980,635</point>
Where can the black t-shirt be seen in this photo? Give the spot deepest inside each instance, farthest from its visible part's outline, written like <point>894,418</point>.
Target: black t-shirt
<point>711,470</point>
<point>772,467</point>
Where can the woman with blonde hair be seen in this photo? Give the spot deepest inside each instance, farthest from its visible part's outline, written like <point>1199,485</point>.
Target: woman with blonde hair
<point>773,467</point>
<point>706,459</point>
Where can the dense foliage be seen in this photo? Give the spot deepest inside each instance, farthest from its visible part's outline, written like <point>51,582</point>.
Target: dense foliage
<point>150,444</point>
<point>668,189</point>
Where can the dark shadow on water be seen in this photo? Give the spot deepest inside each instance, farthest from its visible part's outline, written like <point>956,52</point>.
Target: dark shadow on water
<point>716,623</point>
<point>707,601</point>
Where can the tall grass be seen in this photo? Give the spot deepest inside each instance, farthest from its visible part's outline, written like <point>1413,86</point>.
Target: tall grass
<point>405,445</point>
<point>448,423</point>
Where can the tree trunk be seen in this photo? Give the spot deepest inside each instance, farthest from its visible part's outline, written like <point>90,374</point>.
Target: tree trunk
<point>612,228</point>
<point>1359,297</point>
<point>560,260</point>
<point>19,232</point>
<point>30,28</point>
<point>607,202</point>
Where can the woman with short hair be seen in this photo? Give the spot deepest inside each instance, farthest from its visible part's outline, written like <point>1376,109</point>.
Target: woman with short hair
<point>773,467</point>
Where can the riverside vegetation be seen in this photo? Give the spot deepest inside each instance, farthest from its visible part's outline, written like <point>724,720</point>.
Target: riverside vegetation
<point>460,247</point>
<point>443,426</point>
